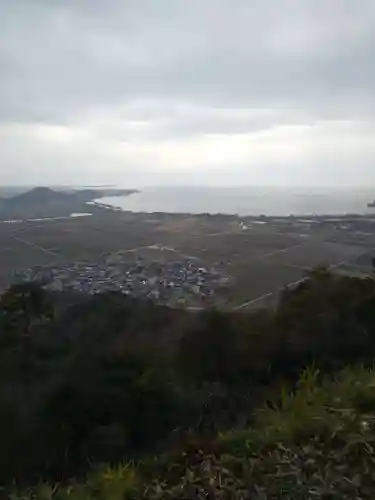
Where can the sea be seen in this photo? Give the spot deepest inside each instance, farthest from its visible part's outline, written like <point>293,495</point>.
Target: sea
<point>243,201</point>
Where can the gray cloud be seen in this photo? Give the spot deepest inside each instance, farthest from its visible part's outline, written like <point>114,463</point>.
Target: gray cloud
<point>138,70</point>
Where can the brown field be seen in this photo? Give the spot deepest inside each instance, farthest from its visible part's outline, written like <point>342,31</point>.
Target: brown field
<point>260,260</point>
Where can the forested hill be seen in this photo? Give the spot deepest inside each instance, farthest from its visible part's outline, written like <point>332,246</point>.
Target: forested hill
<point>170,400</point>
<point>46,202</point>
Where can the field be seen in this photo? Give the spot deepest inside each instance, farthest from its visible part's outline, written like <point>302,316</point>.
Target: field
<point>260,260</point>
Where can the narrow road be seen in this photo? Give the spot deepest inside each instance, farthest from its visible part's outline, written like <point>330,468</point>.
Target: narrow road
<point>42,249</point>
<point>277,252</point>
<point>157,246</point>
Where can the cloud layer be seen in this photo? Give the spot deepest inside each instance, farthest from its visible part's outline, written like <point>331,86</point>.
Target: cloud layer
<point>207,91</point>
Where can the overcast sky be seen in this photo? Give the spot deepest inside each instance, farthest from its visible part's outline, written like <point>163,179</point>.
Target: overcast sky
<point>222,92</point>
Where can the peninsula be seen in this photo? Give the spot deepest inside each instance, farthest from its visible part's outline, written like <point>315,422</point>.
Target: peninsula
<point>46,202</point>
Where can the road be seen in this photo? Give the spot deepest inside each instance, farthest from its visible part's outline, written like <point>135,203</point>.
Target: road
<point>157,246</point>
<point>42,249</point>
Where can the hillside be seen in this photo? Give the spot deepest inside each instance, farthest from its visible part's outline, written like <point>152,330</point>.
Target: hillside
<point>319,444</point>
<point>184,405</point>
<point>46,202</point>
<point>36,195</point>
<point>41,202</point>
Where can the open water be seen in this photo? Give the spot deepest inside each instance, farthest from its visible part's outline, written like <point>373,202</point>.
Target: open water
<point>247,201</point>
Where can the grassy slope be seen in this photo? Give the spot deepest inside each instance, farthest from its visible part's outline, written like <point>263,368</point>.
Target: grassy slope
<point>318,443</point>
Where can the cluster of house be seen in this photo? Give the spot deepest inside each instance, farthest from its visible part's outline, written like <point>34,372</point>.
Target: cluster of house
<point>176,283</point>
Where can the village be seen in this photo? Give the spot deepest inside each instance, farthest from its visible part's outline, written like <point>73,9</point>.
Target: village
<point>178,283</point>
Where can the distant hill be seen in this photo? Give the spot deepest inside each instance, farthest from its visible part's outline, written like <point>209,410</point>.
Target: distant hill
<point>47,202</point>
<point>36,195</point>
<point>39,202</point>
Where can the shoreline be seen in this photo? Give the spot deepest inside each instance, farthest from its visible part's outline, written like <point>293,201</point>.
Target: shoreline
<point>306,217</point>
<point>42,219</point>
<point>366,211</point>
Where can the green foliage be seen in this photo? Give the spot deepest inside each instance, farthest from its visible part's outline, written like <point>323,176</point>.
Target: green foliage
<point>74,391</point>
<point>317,444</point>
<point>110,380</point>
<point>23,306</point>
<point>107,410</point>
<point>214,351</point>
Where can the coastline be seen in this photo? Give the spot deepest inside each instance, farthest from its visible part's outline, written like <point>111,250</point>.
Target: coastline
<point>106,206</point>
<point>43,219</point>
<point>243,203</point>
<point>43,203</point>
<point>260,218</point>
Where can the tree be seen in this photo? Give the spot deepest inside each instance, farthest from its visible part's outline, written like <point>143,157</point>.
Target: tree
<point>23,306</point>
<point>214,351</point>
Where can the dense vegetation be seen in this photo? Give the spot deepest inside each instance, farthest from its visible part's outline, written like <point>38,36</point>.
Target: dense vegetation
<point>110,380</point>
